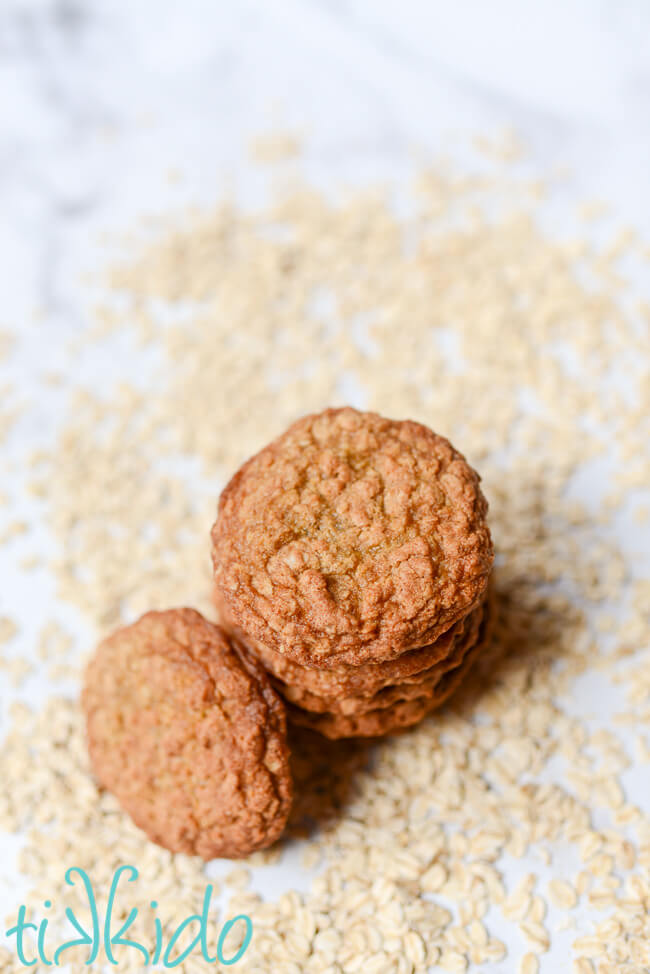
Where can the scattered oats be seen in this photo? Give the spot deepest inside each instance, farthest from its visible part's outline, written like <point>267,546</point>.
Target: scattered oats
<point>30,562</point>
<point>478,933</point>
<point>536,934</point>
<point>275,147</point>
<point>496,950</point>
<point>562,894</point>
<point>628,813</point>
<point>311,857</point>
<point>583,881</point>
<point>53,378</point>
<point>62,671</point>
<point>566,923</point>
<point>20,714</point>
<point>601,865</point>
<point>621,244</point>
<point>451,960</point>
<point>37,488</point>
<point>590,946</point>
<point>238,878</point>
<point>537,912</point>
<point>529,964</point>
<point>7,341</point>
<point>518,904</point>
<point>54,642</point>
<point>19,670</point>
<point>8,629</point>
<point>13,530</point>
<point>415,949</point>
<point>507,147</point>
<point>592,210</point>
<point>434,878</point>
<point>590,844</point>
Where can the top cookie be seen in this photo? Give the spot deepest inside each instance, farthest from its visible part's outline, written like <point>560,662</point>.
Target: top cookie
<point>350,539</point>
<point>189,735</point>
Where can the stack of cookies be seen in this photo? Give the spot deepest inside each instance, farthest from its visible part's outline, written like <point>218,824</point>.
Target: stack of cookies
<point>352,558</point>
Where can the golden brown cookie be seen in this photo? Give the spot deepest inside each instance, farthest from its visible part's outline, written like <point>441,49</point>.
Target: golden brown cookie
<point>351,539</point>
<point>189,735</point>
<point>348,681</point>
<point>409,688</point>
<point>401,714</point>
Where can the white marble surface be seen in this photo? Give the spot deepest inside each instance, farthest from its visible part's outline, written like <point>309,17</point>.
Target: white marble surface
<point>100,100</point>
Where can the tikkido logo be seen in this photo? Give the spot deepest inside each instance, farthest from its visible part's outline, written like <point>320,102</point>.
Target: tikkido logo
<point>101,935</point>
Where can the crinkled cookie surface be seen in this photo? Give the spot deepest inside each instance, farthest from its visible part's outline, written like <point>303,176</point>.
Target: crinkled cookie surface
<point>350,539</point>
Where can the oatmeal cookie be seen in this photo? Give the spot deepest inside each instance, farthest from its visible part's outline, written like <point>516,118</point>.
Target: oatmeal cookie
<point>409,688</point>
<point>351,539</point>
<point>189,735</point>
<point>348,681</point>
<point>402,713</point>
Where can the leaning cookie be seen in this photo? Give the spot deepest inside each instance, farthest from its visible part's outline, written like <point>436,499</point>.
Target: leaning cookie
<point>189,735</point>
<point>399,716</point>
<point>351,539</point>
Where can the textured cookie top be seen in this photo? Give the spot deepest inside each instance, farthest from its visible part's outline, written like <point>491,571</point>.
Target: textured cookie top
<point>351,538</point>
<point>189,735</point>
